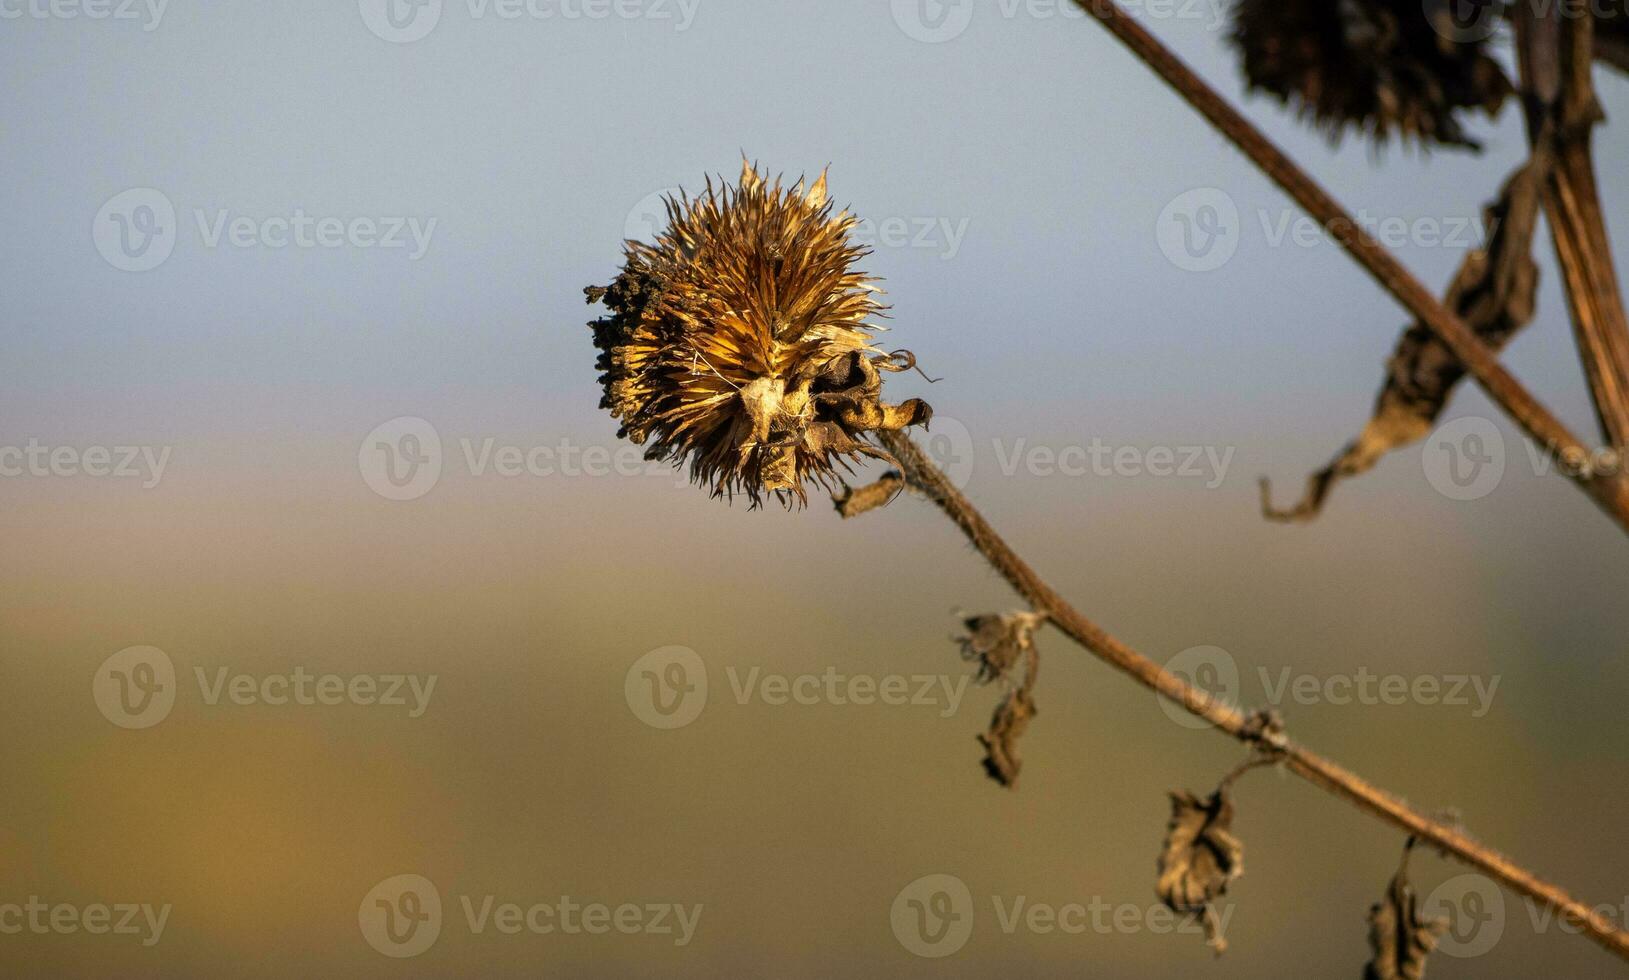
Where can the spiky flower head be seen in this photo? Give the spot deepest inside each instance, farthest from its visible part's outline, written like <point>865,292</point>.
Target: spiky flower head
<point>741,341</point>
<point>1383,67</point>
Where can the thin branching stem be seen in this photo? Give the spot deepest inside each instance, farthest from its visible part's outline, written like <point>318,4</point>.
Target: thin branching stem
<point>1555,53</point>
<point>1610,492</point>
<point>922,475</point>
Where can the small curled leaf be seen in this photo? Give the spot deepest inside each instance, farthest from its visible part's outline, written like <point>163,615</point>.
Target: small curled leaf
<point>1000,743</point>
<point>997,642</point>
<point>1003,648</point>
<point>1399,936</point>
<point>1201,858</point>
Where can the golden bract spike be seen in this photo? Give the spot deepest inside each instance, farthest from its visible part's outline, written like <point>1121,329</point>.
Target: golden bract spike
<point>740,341</point>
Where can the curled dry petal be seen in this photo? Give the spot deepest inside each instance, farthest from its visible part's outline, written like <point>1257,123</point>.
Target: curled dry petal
<point>1201,858</point>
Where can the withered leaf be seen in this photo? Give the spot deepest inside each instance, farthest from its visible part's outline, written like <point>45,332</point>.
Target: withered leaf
<point>996,642</point>
<point>1493,292</point>
<point>1003,647</point>
<point>1201,858</point>
<point>1000,743</point>
<point>1400,938</point>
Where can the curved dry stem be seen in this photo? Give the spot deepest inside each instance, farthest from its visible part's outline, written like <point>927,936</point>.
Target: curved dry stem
<point>922,475</point>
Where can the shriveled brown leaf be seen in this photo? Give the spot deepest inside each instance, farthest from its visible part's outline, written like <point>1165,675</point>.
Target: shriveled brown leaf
<point>1003,648</point>
<point>1000,743</point>
<point>996,642</point>
<point>1201,858</point>
<point>1494,293</point>
<point>1399,936</point>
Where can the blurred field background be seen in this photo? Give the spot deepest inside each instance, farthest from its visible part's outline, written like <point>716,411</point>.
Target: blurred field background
<point>1057,321</point>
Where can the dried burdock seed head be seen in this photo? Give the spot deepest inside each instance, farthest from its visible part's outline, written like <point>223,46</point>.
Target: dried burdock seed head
<point>1399,937</point>
<point>740,341</point>
<point>1201,858</point>
<point>1384,67</point>
<point>1612,38</point>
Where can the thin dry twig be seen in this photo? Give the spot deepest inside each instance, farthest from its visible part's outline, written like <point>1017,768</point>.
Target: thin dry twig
<point>1555,54</point>
<point>922,475</point>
